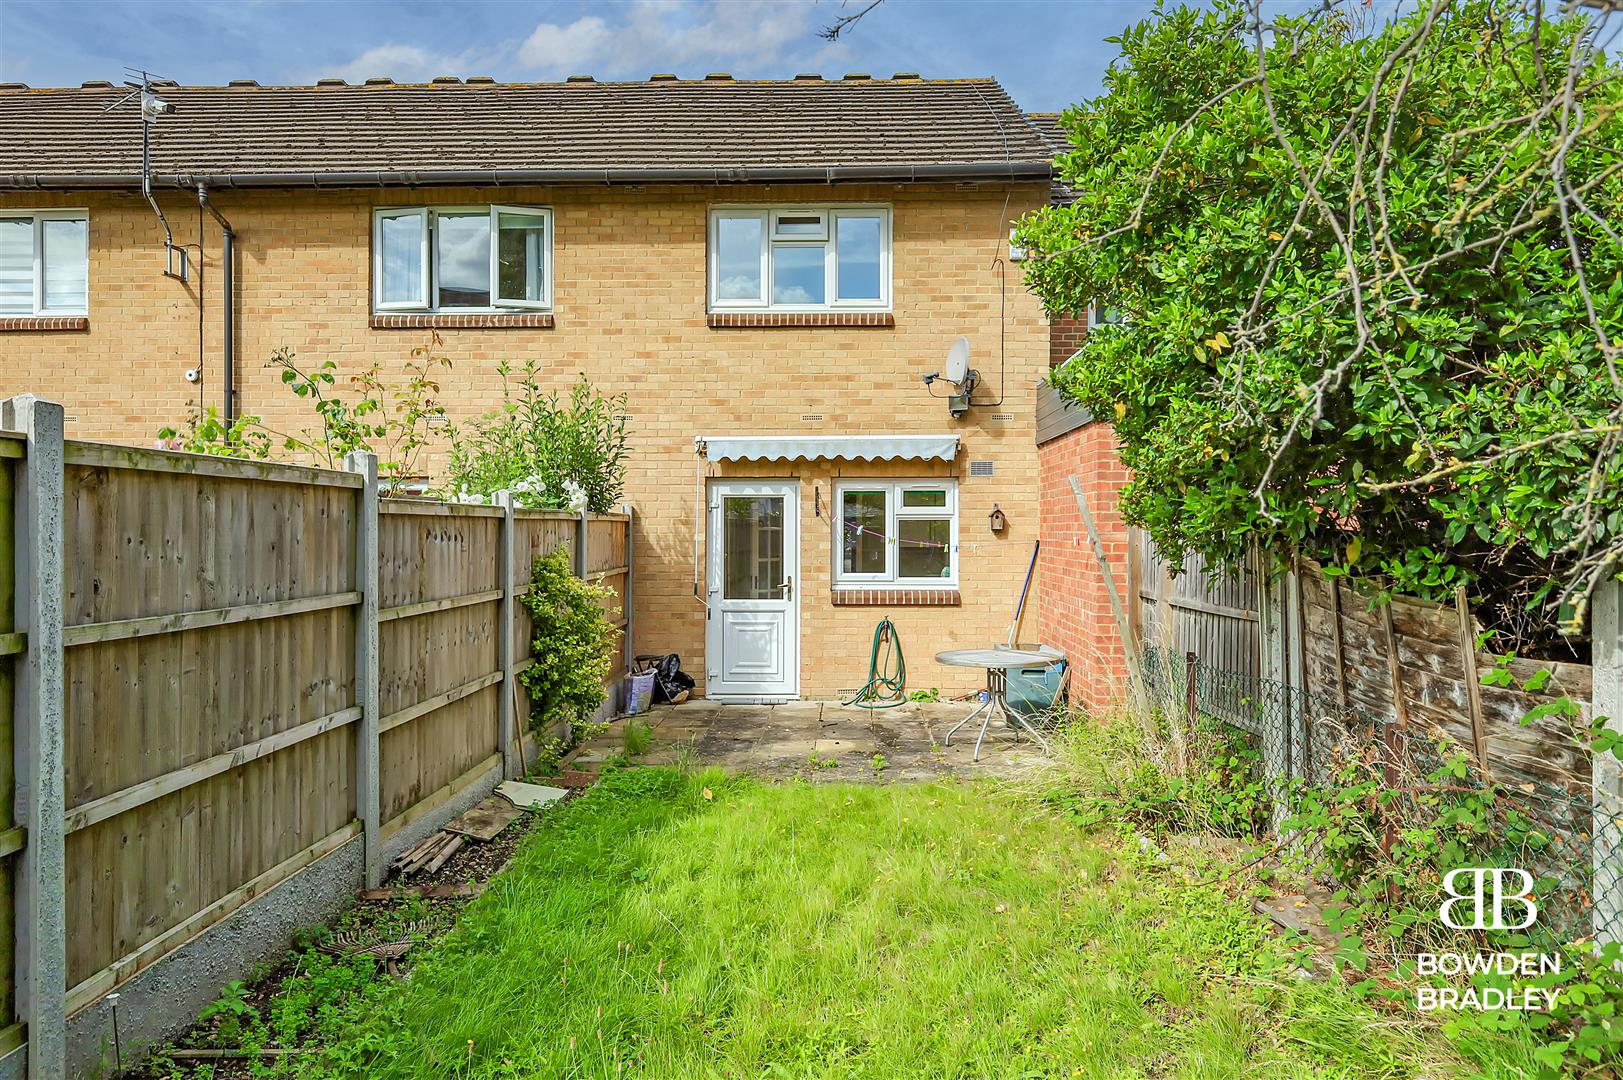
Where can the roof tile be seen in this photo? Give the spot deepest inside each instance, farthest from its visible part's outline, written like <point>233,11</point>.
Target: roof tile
<point>740,129</point>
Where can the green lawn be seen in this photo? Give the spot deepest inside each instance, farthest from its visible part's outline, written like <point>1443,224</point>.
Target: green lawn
<point>692,926</point>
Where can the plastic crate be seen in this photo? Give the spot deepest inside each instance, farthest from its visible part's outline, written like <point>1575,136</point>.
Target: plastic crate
<point>1031,691</point>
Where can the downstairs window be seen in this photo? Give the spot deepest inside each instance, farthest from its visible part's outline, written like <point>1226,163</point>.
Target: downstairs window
<point>902,532</point>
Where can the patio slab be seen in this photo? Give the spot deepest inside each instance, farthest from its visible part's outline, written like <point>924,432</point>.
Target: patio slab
<point>821,741</point>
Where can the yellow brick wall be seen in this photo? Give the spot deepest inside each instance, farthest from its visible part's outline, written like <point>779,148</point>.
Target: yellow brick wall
<point>629,285</point>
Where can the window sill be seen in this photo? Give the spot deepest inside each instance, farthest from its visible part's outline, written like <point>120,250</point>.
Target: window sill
<point>44,322</point>
<point>760,320</point>
<point>504,320</point>
<point>896,598</point>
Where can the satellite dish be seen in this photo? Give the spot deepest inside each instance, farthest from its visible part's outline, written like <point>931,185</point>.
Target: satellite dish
<point>957,369</point>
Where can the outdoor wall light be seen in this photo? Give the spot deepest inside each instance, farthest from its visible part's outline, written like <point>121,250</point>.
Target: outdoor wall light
<point>999,522</point>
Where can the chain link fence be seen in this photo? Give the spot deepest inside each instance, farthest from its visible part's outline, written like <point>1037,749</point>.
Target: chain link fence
<point>1411,777</point>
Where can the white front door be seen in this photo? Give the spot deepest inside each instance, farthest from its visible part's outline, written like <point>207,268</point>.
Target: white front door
<point>752,636</point>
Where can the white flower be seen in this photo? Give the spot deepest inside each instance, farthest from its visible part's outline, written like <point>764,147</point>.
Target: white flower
<point>575,497</point>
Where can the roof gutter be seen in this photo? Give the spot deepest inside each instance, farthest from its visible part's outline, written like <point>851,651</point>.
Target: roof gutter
<point>1035,171</point>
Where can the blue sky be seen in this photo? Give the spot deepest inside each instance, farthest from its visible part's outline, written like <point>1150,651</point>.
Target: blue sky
<point>1048,53</point>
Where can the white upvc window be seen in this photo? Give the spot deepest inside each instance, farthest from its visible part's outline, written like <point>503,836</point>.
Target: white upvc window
<point>896,532</point>
<point>44,262</point>
<point>1104,315</point>
<point>799,258</point>
<point>462,258</point>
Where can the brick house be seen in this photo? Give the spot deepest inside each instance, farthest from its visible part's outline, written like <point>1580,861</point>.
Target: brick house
<point>1076,615</point>
<point>767,269</point>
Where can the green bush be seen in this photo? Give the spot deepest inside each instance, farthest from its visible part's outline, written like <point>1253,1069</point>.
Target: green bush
<point>558,453</point>
<point>572,643</point>
<point>1428,401</point>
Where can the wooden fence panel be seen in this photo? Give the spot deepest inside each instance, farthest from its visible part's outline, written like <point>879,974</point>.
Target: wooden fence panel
<point>1211,613</point>
<point>212,730</point>
<point>607,561</point>
<point>209,686</point>
<point>436,668</point>
<point>1346,660</point>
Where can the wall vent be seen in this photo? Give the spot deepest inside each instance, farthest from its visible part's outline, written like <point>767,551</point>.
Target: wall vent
<point>1002,416</point>
<point>981,468</point>
<point>811,416</point>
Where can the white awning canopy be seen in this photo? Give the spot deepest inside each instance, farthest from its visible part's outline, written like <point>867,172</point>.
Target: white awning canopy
<point>831,447</point>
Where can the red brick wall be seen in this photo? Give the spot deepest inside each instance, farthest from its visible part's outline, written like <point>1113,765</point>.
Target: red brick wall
<point>1076,614</point>
<point>1065,334</point>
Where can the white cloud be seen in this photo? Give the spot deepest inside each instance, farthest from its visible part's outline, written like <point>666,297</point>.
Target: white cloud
<point>689,37</point>
<point>739,287</point>
<point>553,48</point>
<point>660,35</point>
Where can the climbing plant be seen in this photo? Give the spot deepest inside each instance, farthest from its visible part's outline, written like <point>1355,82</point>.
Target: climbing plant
<point>572,642</point>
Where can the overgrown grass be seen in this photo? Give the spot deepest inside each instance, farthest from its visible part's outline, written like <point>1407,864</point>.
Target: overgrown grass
<point>638,736</point>
<point>670,925</point>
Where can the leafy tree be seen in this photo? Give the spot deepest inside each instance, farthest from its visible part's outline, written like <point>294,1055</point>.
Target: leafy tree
<point>1371,292</point>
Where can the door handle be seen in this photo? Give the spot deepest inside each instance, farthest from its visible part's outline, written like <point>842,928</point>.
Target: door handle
<point>788,588</point>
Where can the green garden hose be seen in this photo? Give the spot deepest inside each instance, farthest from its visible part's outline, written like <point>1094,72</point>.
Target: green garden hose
<point>887,688</point>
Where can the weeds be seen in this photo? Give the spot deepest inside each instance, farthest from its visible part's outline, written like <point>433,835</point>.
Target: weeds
<point>639,735</point>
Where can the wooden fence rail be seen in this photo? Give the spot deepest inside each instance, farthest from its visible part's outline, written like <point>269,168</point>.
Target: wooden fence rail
<point>215,674</point>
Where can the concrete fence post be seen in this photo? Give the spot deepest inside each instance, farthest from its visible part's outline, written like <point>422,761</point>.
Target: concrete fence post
<point>368,807</point>
<point>1297,718</point>
<point>628,647</point>
<point>507,710</point>
<point>1274,700</point>
<point>583,563</point>
<point>1606,774</point>
<point>41,930</point>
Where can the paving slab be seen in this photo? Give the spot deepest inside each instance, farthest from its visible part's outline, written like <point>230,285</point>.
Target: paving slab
<point>779,741</point>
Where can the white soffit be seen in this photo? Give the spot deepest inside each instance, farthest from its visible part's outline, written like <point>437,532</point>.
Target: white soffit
<point>831,447</point>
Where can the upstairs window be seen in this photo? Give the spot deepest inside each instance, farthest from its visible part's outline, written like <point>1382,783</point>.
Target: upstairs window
<point>897,532</point>
<point>799,258</point>
<point>462,258</point>
<point>44,262</point>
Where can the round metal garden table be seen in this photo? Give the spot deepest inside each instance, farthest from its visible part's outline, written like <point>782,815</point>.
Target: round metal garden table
<point>997,663</point>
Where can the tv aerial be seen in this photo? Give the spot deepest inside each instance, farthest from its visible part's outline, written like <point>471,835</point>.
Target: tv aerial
<point>152,107</point>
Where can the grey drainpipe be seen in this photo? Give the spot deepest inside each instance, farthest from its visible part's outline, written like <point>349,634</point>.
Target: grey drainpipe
<point>228,359</point>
